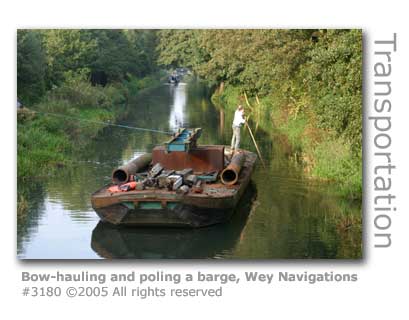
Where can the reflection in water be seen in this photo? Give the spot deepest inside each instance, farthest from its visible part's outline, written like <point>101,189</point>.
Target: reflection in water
<point>294,217</point>
<point>27,221</point>
<point>221,121</point>
<point>177,113</point>
<point>112,242</point>
<point>60,234</point>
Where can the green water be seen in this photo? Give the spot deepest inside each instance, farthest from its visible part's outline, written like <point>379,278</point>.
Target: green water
<point>284,214</point>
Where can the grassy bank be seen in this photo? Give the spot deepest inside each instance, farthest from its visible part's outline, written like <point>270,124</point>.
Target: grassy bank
<point>324,156</point>
<point>46,142</point>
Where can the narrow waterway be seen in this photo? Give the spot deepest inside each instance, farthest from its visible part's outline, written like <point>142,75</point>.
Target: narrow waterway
<point>283,214</point>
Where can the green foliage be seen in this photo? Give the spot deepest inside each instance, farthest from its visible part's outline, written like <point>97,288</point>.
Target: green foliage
<point>253,59</point>
<point>294,129</point>
<point>178,47</point>
<point>335,162</point>
<point>45,142</point>
<point>333,77</point>
<point>115,56</point>
<point>81,94</point>
<point>329,158</point>
<point>228,98</point>
<point>31,66</point>
<point>124,53</point>
<point>65,62</point>
<point>47,58</point>
<point>39,149</point>
<point>134,85</point>
<point>322,77</point>
<point>67,50</point>
<point>142,44</point>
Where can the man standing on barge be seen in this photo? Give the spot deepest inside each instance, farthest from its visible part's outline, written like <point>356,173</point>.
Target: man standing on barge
<point>238,121</point>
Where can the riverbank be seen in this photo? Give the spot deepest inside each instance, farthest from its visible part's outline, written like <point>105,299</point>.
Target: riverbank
<point>322,154</point>
<point>49,134</point>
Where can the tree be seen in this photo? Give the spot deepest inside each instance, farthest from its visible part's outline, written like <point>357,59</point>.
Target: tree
<point>30,66</point>
<point>67,50</point>
<point>334,77</point>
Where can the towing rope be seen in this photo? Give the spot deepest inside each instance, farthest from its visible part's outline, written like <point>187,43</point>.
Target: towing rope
<point>104,123</point>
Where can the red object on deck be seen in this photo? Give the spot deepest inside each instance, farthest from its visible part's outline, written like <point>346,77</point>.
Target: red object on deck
<point>201,159</point>
<point>123,187</point>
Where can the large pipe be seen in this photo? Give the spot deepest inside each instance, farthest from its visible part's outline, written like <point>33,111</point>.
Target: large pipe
<point>230,174</point>
<point>123,173</point>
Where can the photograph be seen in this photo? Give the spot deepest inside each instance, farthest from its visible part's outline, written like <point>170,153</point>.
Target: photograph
<point>232,144</point>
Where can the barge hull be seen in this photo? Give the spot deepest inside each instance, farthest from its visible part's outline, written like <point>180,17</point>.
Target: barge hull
<point>165,208</point>
<point>180,216</point>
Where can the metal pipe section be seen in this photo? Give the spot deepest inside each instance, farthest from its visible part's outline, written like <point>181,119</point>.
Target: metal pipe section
<point>230,174</point>
<point>123,173</point>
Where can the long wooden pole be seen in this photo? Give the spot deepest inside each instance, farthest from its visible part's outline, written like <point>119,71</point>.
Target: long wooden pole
<point>247,101</point>
<point>255,144</point>
<point>251,132</point>
<point>258,112</point>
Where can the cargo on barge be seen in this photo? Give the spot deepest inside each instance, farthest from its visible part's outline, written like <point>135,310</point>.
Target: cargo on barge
<point>179,184</point>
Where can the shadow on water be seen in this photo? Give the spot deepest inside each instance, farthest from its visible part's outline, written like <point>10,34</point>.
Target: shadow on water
<point>217,241</point>
<point>293,216</point>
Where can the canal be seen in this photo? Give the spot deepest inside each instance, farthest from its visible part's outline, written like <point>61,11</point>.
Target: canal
<point>284,213</point>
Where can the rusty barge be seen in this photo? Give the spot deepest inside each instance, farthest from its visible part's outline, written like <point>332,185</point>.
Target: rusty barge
<point>179,184</point>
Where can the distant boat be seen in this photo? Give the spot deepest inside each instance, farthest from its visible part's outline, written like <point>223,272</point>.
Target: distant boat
<point>173,79</point>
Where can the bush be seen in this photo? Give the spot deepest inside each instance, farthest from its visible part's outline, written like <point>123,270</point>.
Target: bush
<point>49,138</point>
<point>334,161</point>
